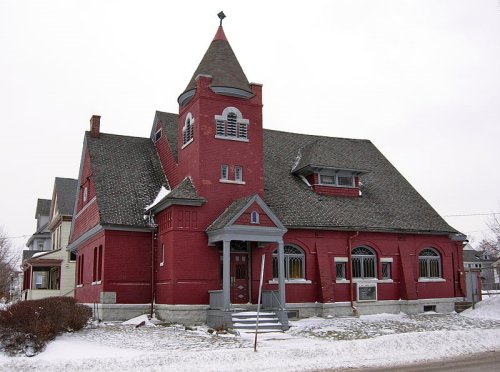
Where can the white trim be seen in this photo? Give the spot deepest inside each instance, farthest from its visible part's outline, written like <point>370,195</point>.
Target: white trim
<point>431,280</point>
<point>291,281</point>
<point>231,181</point>
<point>386,281</point>
<point>86,206</point>
<point>367,280</point>
<point>187,143</point>
<point>79,285</point>
<point>232,138</point>
<point>386,259</point>
<point>341,259</point>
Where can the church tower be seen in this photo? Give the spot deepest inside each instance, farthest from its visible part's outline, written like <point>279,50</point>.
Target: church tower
<point>220,140</point>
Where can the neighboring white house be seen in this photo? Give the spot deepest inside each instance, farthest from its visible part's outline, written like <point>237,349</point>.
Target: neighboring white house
<point>52,273</point>
<point>485,263</point>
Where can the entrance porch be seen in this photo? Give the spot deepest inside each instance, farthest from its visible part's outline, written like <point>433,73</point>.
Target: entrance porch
<point>240,232</point>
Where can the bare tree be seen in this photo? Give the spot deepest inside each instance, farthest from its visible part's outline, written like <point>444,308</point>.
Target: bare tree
<point>492,245</point>
<point>8,260</point>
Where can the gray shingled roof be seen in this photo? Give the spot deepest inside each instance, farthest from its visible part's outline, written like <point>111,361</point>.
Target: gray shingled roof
<point>169,123</point>
<point>65,189</point>
<point>474,256</point>
<point>127,176</point>
<point>42,207</point>
<point>229,213</point>
<point>221,63</point>
<point>388,201</point>
<point>184,190</point>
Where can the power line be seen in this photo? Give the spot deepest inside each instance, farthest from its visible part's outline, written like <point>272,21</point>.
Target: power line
<point>471,214</point>
<point>14,237</point>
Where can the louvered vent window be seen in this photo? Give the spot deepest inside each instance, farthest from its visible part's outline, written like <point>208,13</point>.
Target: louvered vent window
<point>221,128</point>
<point>188,130</point>
<point>231,125</point>
<point>242,130</point>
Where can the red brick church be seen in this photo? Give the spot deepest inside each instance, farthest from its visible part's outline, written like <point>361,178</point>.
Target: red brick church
<point>177,223</point>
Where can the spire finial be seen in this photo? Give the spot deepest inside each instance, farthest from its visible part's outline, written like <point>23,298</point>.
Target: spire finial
<point>221,16</point>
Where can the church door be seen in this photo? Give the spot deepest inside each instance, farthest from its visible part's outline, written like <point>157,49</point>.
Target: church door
<point>239,278</point>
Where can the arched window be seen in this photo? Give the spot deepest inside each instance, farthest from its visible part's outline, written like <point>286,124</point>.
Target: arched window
<point>231,125</point>
<point>254,217</point>
<point>294,263</point>
<point>429,263</point>
<point>187,130</point>
<point>363,263</point>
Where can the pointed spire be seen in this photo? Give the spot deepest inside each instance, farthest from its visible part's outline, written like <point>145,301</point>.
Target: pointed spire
<point>220,35</point>
<point>221,64</point>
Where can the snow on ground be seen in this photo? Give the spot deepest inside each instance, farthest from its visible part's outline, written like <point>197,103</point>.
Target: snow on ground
<point>488,308</point>
<point>311,344</point>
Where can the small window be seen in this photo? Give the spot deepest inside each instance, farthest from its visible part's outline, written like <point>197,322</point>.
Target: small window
<point>327,180</point>
<point>40,246</point>
<point>158,135</point>
<point>85,194</point>
<point>254,217</point>
<point>224,172</point>
<point>162,263</point>
<point>340,270</point>
<point>345,181</point>
<point>187,130</point>
<point>72,256</point>
<point>386,270</point>
<point>238,174</point>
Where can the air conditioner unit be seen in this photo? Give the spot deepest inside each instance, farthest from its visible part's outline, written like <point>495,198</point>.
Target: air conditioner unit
<point>366,292</point>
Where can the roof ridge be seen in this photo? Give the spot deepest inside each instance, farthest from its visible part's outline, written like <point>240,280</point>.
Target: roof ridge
<point>317,137</point>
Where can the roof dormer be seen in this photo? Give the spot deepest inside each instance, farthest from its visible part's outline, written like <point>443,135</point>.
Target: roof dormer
<point>327,173</point>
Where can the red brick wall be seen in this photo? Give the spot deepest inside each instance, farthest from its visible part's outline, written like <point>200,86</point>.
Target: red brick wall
<point>126,267</point>
<point>202,158</point>
<point>88,218</point>
<point>89,293</point>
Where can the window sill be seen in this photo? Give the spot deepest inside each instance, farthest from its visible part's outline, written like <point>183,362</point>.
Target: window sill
<point>293,281</point>
<point>232,138</point>
<point>96,283</point>
<point>381,281</point>
<point>187,143</point>
<point>431,280</point>
<point>233,182</point>
<point>79,285</point>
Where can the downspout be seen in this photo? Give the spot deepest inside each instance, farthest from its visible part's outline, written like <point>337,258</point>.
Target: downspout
<point>351,284</point>
<point>153,233</point>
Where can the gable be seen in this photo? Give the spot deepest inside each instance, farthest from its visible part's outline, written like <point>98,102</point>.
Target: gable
<point>263,219</point>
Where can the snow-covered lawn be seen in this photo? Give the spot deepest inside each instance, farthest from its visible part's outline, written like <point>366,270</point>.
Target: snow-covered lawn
<point>311,344</point>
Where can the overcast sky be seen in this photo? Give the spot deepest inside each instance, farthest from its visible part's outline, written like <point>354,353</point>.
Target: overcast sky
<point>420,79</point>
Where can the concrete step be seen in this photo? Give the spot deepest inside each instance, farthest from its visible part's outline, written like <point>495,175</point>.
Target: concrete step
<point>246,321</point>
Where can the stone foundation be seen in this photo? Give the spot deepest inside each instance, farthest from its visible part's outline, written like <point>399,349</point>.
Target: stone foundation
<point>202,314</point>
